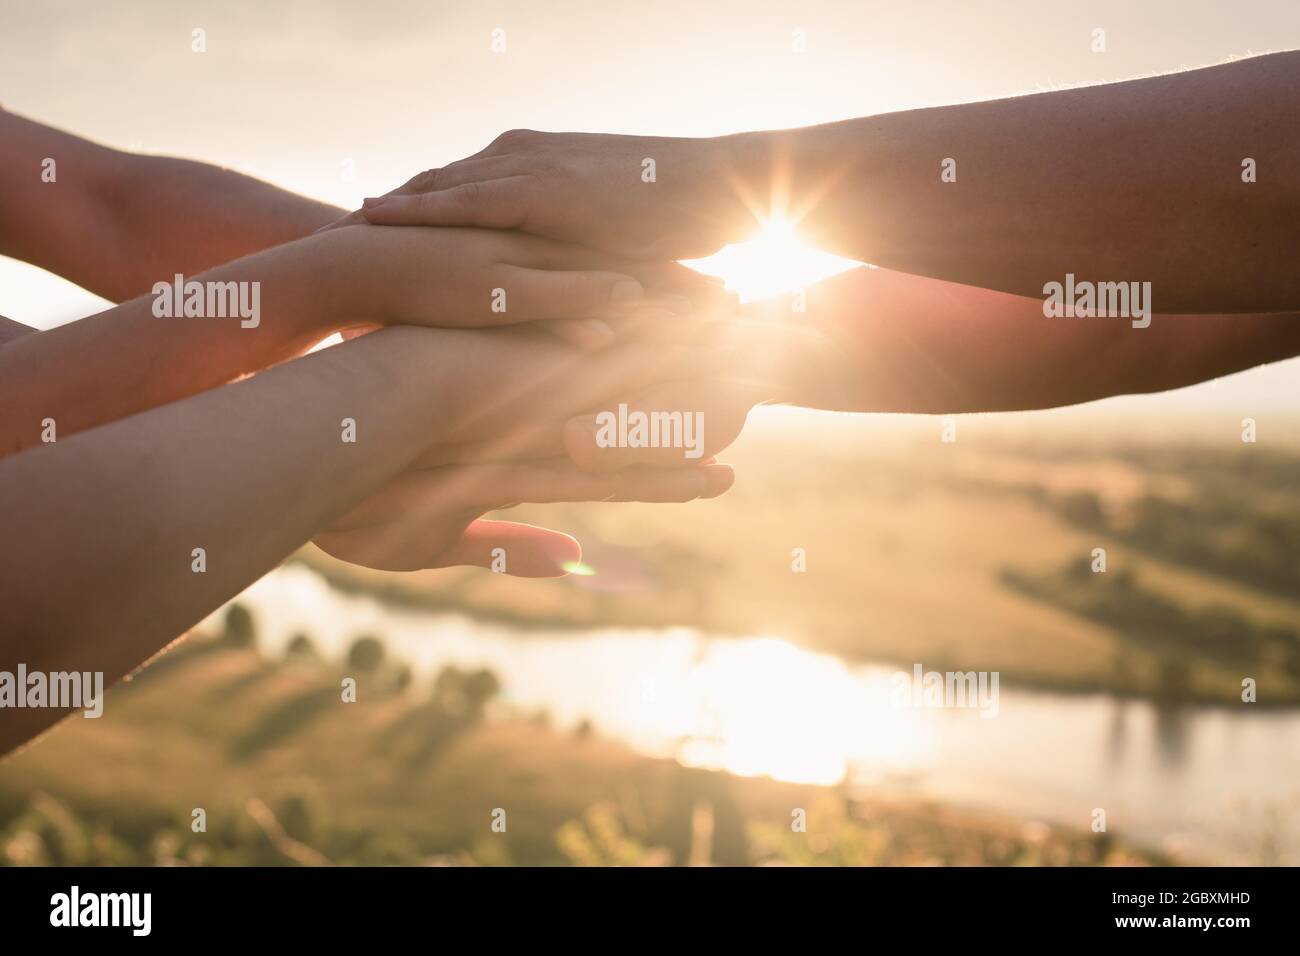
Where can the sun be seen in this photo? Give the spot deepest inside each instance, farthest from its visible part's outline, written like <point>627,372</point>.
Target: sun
<point>775,262</point>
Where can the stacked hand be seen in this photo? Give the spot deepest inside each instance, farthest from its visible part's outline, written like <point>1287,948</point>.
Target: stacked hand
<point>561,332</point>
<point>501,441</point>
<point>609,208</point>
<point>643,197</point>
<point>521,295</point>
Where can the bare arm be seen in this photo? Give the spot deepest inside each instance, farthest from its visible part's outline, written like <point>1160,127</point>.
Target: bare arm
<point>116,222</point>
<point>1133,181</point>
<point>99,531</point>
<point>875,340</point>
<point>129,358</point>
<point>870,340</point>
<point>112,515</point>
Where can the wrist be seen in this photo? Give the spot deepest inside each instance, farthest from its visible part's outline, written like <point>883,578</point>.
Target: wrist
<point>405,372</point>
<point>734,172</point>
<point>334,271</point>
<point>814,176</point>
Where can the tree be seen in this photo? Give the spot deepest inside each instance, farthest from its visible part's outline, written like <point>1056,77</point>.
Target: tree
<point>366,653</point>
<point>240,628</point>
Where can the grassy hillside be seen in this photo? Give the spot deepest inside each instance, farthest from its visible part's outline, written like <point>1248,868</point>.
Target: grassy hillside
<point>288,773</point>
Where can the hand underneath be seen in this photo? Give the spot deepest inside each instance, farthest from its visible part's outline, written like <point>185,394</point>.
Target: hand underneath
<point>498,442</point>
<point>431,517</point>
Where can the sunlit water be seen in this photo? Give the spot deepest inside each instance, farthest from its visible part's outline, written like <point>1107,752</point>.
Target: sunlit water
<point>1218,785</point>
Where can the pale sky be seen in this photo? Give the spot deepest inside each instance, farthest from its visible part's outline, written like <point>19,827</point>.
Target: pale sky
<point>343,99</point>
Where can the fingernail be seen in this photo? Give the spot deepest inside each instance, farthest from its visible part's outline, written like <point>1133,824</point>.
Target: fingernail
<point>370,202</point>
<point>626,292</point>
<point>717,479</point>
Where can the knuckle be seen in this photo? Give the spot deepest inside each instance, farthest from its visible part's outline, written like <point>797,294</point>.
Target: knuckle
<point>513,137</point>
<point>420,182</point>
<point>469,194</point>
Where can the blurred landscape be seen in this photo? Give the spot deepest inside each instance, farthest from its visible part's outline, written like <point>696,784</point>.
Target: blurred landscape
<point>478,693</point>
<point>683,703</point>
<point>295,779</point>
<point>970,555</point>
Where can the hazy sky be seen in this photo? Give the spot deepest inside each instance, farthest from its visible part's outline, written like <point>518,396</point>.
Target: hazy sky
<point>342,99</point>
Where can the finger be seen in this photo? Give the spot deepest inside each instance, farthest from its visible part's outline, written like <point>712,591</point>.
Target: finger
<point>517,549</point>
<point>419,500</point>
<point>494,204</point>
<point>390,545</point>
<point>351,219</point>
<point>663,485</point>
<point>541,294</point>
<point>667,285</point>
<point>658,326</point>
<point>504,486</point>
<point>589,335</point>
<point>625,370</point>
<point>556,382</point>
<point>476,168</point>
<point>704,291</point>
<point>661,275</point>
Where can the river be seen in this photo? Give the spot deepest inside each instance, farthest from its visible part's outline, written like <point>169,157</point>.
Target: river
<point>1214,784</point>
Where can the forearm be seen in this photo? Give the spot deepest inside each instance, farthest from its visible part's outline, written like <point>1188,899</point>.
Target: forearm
<point>116,222</point>
<point>97,561</point>
<point>1133,181</point>
<point>899,343</point>
<point>127,359</point>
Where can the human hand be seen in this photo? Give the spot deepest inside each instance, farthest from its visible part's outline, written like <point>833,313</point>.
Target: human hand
<point>751,358</point>
<point>513,389</point>
<point>478,278</point>
<point>500,408</point>
<point>643,197</point>
<point>431,517</point>
<point>876,340</point>
<point>711,411</point>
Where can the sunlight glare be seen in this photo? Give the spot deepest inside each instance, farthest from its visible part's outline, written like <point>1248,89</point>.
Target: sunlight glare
<point>769,708</point>
<point>775,262</point>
